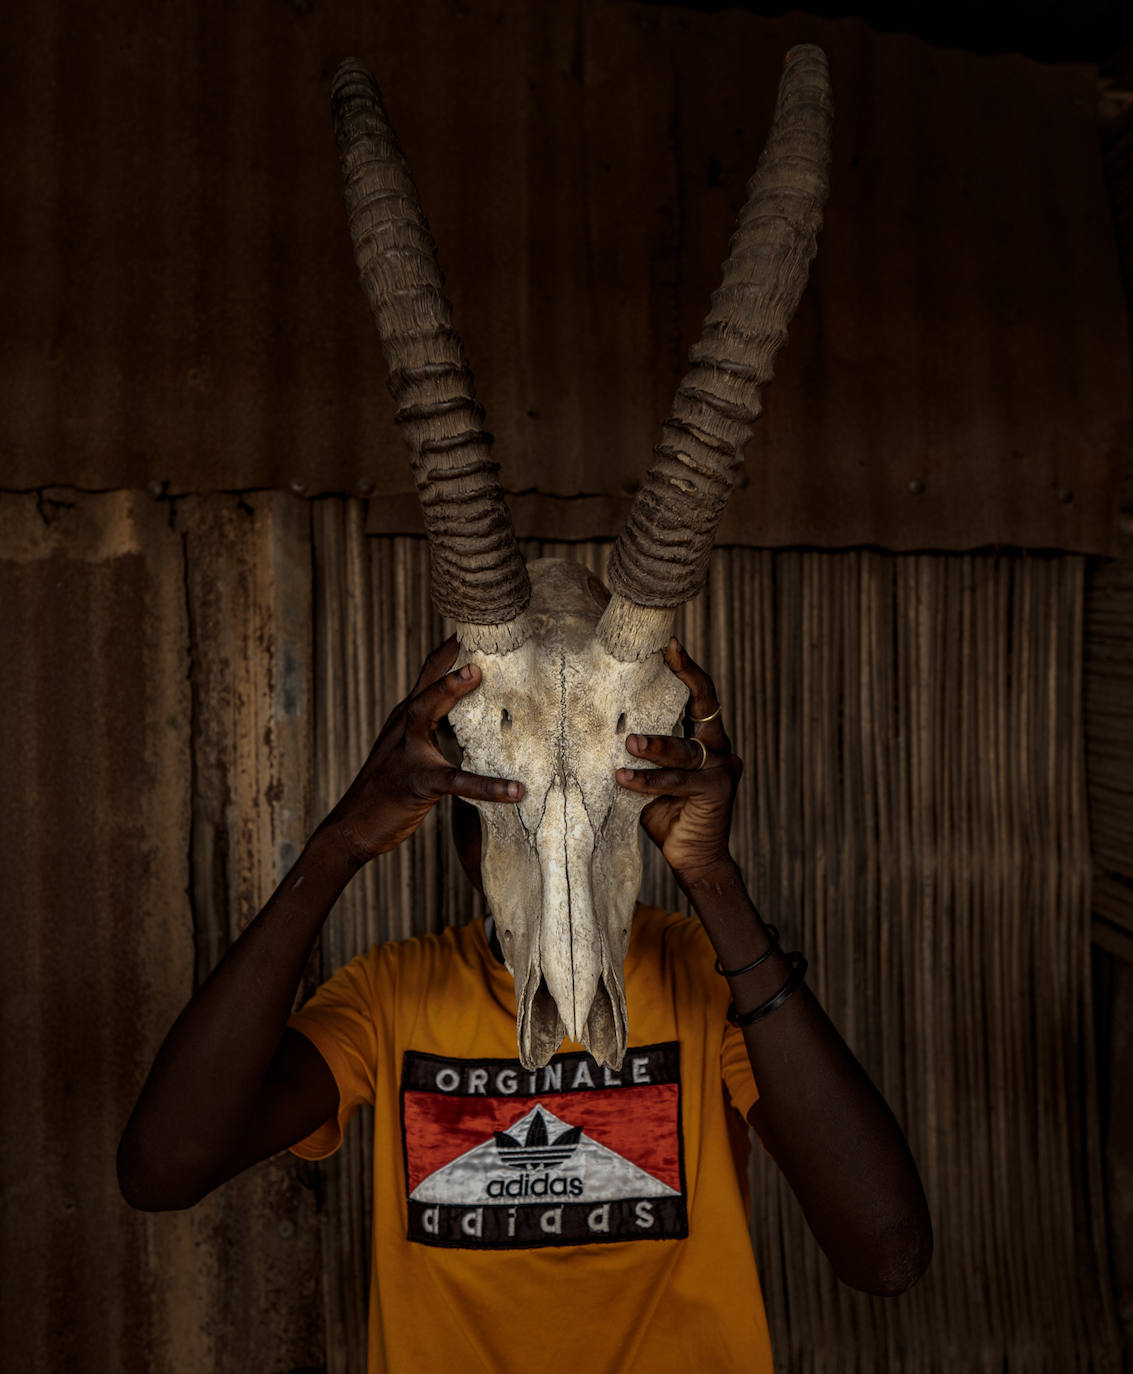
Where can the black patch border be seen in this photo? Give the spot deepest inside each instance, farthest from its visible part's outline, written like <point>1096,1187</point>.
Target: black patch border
<point>679,1231</point>
<point>668,1048</point>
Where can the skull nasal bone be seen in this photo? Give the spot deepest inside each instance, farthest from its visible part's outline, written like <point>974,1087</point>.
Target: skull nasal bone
<point>570,943</point>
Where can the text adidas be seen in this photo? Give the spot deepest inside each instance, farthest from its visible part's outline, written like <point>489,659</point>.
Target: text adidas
<point>538,1185</point>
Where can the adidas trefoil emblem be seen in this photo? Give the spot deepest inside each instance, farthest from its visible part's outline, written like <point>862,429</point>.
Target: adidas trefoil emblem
<point>537,1150</point>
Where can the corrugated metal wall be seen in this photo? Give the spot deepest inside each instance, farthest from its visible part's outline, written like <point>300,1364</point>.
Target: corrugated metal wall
<point>181,304</point>
<point>913,817</point>
<point>155,732</point>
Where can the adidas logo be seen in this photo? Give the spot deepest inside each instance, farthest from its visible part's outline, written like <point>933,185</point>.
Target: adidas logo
<point>537,1150</point>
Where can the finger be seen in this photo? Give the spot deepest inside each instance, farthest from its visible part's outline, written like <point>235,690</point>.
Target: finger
<point>670,782</point>
<point>436,665</point>
<point>669,751</point>
<point>702,694</point>
<point>436,701</point>
<point>476,787</point>
<point>702,698</point>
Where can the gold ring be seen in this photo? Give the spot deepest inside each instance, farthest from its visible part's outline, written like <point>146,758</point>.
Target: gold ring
<point>703,720</point>
<point>703,754</point>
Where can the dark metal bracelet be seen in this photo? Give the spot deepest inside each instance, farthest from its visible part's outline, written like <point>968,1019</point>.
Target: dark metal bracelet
<point>749,1018</point>
<point>747,968</point>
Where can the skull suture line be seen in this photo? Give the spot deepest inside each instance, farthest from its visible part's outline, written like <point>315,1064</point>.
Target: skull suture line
<point>570,669</point>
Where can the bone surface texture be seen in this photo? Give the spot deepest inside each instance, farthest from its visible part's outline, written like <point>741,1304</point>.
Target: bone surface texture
<point>562,867</point>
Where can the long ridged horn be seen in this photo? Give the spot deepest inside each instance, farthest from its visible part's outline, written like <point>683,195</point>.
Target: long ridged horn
<point>479,578</point>
<point>661,557</point>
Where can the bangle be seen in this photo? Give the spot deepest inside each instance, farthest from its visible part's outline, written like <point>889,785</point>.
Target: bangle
<point>749,1018</point>
<point>755,963</point>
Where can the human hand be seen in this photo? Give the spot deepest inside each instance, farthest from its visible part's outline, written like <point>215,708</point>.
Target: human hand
<point>693,788</point>
<point>406,774</point>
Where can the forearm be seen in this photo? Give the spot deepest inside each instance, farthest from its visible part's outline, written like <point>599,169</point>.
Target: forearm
<point>825,1123</point>
<point>204,1083</point>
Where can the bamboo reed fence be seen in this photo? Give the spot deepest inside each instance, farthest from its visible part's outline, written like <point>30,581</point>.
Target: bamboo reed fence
<point>913,817</point>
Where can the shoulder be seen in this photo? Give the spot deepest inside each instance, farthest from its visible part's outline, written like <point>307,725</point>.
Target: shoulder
<point>416,959</point>
<point>451,946</point>
<point>672,943</point>
<point>671,963</point>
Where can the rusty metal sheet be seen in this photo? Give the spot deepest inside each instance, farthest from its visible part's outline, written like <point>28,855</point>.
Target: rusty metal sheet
<point>957,375</point>
<point>248,583</point>
<point>96,827</point>
<point>181,305</point>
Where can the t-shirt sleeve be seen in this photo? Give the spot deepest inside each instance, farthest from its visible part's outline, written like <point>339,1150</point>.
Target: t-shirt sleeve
<point>735,1066</point>
<point>339,1021</point>
<point>736,1069</point>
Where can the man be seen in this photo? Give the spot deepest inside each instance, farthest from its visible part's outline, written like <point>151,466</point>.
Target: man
<point>572,1217</point>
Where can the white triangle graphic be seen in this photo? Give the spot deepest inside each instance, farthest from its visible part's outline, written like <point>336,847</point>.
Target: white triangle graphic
<point>591,1173</point>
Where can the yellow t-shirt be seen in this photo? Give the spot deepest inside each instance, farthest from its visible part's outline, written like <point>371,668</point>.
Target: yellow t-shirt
<point>571,1219</point>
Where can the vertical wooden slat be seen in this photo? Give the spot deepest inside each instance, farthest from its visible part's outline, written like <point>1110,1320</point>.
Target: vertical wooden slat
<point>248,600</point>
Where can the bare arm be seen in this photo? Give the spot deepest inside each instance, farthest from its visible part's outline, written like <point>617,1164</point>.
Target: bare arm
<point>230,1085</point>
<point>819,1115</point>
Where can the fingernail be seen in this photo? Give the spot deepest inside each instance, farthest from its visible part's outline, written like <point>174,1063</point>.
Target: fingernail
<point>466,671</point>
<point>624,774</point>
<point>513,790</point>
<point>635,742</point>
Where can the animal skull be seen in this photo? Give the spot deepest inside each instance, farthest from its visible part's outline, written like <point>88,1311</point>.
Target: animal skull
<point>562,867</point>
<point>569,669</point>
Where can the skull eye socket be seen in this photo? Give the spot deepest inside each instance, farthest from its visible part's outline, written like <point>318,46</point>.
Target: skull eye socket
<point>505,719</point>
<point>620,729</point>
